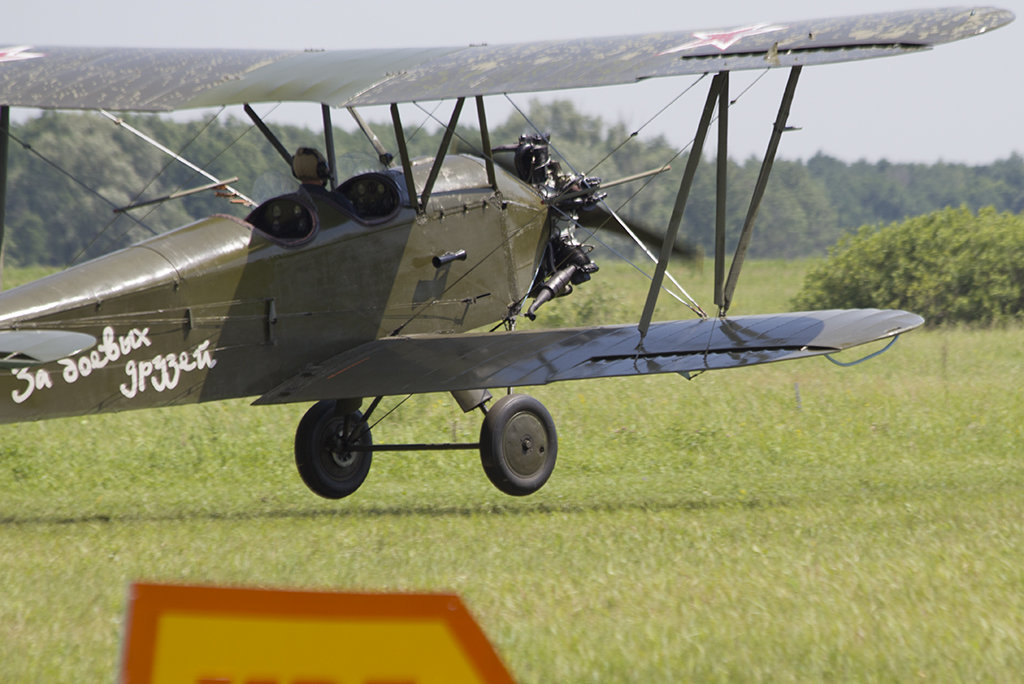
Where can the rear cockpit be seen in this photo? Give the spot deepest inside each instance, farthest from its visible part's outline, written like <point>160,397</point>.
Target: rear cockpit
<point>290,220</point>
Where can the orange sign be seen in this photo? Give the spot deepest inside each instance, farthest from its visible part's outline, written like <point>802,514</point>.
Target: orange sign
<point>213,635</point>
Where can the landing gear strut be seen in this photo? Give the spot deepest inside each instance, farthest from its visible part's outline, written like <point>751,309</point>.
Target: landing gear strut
<point>518,445</point>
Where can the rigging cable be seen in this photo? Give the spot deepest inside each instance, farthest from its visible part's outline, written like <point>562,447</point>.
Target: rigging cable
<point>75,179</point>
<point>139,194</point>
<point>643,186</point>
<point>163,148</point>
<point>692,305</point>
<point>645,124</point>
<point>173,157</point>
<point>170,161</point>
<point>429,115</point>
<point>215,157</point>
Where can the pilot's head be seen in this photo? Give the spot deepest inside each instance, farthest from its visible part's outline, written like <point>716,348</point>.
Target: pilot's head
<point>310,167</point>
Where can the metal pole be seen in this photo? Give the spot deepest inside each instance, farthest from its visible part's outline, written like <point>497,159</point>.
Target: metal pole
<point>269,135</point>
<point>403,153</point>
<point>332,158</point>
<point>759,187</point>
<point>692,162</point>
<point>485,140</point>
<point>383,155</point>
<point>721,192</point>
<point>446,140</point>
<point>5,130</point>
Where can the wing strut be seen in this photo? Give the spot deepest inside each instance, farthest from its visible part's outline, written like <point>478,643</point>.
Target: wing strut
<point>485,141</point>
<point>724,287</point>
<point>721,188</point>
<point>5,130</point>
<point>332,157</point>
<point>419,201</point>
<point>446,141</point>
<point>759,188</point>
<point>383,155</point>
<point>692,162</point>
<point>403,153</point>
<point>269,135</point>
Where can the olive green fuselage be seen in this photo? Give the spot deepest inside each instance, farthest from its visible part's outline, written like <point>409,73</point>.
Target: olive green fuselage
<point>220,309</point>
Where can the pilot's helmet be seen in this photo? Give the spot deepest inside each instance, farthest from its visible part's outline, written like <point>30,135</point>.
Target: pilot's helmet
<point>309,166</point>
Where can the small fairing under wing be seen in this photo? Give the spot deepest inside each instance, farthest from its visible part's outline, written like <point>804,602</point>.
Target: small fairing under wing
<point>26,348</point>
<point>433,363</point>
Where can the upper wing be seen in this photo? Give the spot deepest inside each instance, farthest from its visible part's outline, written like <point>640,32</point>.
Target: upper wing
<point>164,79</point>
<point>433,363</point>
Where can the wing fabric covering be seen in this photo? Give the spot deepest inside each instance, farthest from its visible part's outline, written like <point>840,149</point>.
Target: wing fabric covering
<point>140,79</point>
<point>434,363</point>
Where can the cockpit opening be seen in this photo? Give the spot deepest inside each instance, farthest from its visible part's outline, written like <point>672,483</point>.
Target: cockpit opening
<point>288,219</point>
<point>372,196</point>
<point>294,219</point>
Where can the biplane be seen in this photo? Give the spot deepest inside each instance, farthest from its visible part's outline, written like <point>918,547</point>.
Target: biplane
<point>408,278</point>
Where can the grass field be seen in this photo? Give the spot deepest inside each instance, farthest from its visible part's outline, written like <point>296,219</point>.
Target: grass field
<point>793,522</point>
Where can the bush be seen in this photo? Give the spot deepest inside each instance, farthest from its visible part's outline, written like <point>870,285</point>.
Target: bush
<point>950,266</point>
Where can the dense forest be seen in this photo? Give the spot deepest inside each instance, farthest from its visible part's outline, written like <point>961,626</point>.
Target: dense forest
<point>68,171</point>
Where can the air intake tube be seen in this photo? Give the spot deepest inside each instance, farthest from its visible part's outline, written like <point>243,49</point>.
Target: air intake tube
<point>556,285</point>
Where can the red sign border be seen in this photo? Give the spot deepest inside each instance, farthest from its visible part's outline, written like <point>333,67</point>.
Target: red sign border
<point>148,601</point>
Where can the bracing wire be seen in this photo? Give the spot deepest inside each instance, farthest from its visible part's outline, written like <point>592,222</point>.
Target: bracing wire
<point>99,235</point>
<point>394,408</point>
<point>686,299</point>
<point>429,116</point>
<point>645,124</point>
<point>88,188</point>
<point>75,179</point>
<point>591,233</point>
<point>474,146</point>
<point>170,161</point>
<point>753,83</point>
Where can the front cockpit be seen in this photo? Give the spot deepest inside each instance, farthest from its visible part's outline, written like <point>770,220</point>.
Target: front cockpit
<point>373,196</point>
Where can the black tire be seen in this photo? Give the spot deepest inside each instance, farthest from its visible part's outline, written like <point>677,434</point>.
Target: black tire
<point>518,444</point>
<point>329,462</point>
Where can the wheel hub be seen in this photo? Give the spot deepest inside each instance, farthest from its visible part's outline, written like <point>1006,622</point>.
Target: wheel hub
<point>525,444</point>
<point>343,459</point>
<point>341,446</point>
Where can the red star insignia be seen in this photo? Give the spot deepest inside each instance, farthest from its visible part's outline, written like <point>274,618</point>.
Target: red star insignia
<point>723,40</point>
<point>16,54</point>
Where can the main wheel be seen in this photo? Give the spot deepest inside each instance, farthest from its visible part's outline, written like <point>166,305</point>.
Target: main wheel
<point>330,450</point>
<point>518,444</point>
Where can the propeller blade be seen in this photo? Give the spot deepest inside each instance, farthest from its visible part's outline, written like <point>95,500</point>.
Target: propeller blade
<point>599,217</point>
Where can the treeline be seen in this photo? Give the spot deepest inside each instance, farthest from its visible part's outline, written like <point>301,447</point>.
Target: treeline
<point>69,171</point>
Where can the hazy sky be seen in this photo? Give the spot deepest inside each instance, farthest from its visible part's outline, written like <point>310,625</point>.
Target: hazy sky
<point>961,102</point>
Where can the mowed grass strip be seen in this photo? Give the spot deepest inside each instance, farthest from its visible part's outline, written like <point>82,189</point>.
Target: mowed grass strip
<point>788,522</point>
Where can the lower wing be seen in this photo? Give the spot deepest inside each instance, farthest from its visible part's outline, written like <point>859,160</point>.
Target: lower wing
<point>433,363</point>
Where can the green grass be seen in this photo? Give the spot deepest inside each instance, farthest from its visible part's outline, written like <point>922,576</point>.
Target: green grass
<point>792,522</point>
